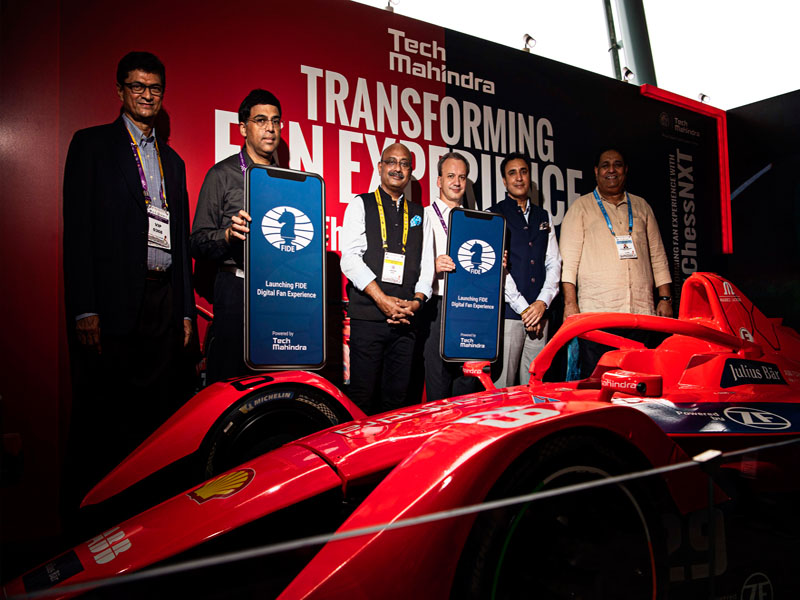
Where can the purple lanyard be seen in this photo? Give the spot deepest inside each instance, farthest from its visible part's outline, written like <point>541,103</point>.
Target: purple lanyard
<point>242,164</point>
<point>142,178</point>
<point>439,214</point>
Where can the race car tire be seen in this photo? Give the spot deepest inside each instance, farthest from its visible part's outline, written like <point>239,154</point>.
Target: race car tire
<point>592,544</point>
<point>265,420</point>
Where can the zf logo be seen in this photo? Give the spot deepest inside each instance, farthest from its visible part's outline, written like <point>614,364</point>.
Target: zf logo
<point>757,587</point>
<point>476,256</point>
<point>757,418</point>
<point>287,229</point>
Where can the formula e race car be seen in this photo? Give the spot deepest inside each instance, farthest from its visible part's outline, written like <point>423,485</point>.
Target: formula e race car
<point>671,472</point>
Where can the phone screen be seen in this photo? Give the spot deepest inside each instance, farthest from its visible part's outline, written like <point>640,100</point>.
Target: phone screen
<point>473,292</point>
<point>284,269</point>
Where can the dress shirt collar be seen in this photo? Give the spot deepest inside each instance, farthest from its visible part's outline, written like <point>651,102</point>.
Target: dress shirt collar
<point>604,199</point>
<point>385,196</point>
<point>443,206</point>
<point>137,134</point>
<point>527,205</point>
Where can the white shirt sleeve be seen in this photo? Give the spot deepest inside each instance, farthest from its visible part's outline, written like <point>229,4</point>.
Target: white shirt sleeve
<point>513,296</point>
<point>427,269</point>
<point>552,266</point>
<point>353,239</point>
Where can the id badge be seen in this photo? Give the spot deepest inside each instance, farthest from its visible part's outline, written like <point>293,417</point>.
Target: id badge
<point>158,231</point>
<point>625,246</point>
<point>393,264</point>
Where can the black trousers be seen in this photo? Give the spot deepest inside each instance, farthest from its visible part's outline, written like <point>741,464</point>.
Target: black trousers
<point>442,379</point>
<point>122,394</point>
<point>225,344</point>
<point>381,356</point>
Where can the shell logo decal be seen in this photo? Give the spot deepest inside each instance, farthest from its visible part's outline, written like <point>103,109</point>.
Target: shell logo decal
<point>223,487</point>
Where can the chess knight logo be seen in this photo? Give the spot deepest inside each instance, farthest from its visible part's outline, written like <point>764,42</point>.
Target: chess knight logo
<point>476,256</point>
<point>287,229</point>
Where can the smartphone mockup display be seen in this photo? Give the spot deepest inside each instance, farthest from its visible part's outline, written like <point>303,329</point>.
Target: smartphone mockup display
<point>473,293</point>
<point>284,269</point>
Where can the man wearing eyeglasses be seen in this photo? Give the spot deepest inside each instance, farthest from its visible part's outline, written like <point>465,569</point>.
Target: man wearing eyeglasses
<point>127,275</point>
<point>389,276</point>
<point>221,225</point>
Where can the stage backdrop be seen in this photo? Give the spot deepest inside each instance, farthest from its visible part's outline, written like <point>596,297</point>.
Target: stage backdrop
<point>352,79</point>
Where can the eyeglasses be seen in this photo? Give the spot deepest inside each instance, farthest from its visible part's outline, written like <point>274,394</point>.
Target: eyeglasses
<point>138,88</point>
<point>393,162</point>
<point>261,122</point>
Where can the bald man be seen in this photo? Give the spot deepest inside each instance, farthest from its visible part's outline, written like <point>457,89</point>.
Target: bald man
<point>389,276</point>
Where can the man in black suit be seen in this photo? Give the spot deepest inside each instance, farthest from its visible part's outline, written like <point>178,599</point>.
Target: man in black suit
<point>129,298</point>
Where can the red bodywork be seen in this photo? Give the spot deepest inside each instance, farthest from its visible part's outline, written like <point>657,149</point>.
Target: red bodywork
<point>450,453</point>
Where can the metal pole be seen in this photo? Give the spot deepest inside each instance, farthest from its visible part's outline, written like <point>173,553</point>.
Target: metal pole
<point>613,44</point>
<point>637,41</point>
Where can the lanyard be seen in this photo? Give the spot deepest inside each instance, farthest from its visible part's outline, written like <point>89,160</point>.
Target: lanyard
<point>242,164</point>
<point>441,219</point>
<point>138,158</point>
<point>605,214</point>
<point>383,222</point>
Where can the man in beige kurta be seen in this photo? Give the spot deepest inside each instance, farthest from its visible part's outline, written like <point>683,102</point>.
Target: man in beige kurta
<point>610,277</point>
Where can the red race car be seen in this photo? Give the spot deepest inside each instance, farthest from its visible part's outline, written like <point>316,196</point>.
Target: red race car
<point>722,525</point>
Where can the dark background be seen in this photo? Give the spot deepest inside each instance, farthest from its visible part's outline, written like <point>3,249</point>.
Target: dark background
<point>57,63</point>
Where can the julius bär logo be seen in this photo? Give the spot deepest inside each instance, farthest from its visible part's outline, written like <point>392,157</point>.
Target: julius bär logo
<point>287,229</point>
<point>476,256</point>
<point>223,487</point>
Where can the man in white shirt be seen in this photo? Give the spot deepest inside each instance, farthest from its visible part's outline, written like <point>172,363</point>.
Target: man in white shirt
<point>389,273</point>
<point>445,379</point>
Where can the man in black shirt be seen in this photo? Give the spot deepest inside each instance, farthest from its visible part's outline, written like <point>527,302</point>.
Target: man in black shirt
<point>221,225</point>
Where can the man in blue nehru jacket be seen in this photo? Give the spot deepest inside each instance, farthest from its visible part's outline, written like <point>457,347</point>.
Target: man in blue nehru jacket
<point>535,265</point>
<point>389,270</point>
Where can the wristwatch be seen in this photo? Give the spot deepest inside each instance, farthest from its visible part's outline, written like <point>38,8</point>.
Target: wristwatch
<point>665,298</point>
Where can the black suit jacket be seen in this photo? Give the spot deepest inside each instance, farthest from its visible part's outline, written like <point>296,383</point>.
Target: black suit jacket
<point>105,229</point>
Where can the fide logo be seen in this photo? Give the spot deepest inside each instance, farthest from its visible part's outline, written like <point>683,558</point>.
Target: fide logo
<point>287,229</point>
<point>476,256</point>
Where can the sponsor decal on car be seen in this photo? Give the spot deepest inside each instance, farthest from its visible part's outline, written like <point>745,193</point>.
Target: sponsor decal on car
<point>256,402</point>
<point>791,375</point>
<point>543,399</point>
<point>728,295</point>
<point>375,426</point>
<point>509,417</point>
<point>757,587</point>
<point>745,334</point>
<point>714,417</point>
<point>53,573</point>
<point>738,371</point>
<point>108,545</point>
<point>224,486</point>
<point>757,418</point>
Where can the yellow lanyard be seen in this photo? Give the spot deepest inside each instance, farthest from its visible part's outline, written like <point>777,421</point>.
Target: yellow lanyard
<point>383,222</point>
<point>140,166</point>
